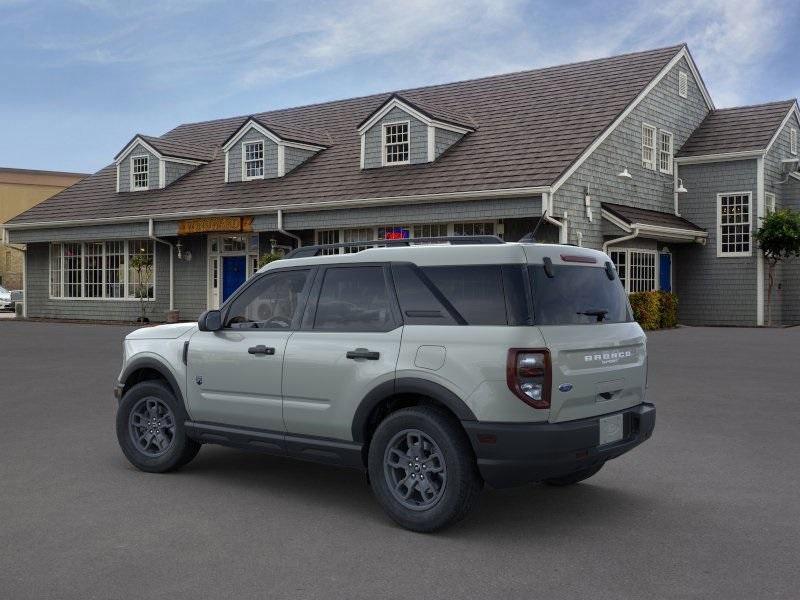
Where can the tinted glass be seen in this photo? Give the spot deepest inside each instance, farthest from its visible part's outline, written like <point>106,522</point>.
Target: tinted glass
<point>270,302</point>
<point>417,302</point>
<point>577,295</point>
<point>514,286</point>
<point>475,291</point>
<point>354,299</point>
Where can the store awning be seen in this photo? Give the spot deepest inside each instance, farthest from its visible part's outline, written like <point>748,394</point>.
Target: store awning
<point>667,227</point>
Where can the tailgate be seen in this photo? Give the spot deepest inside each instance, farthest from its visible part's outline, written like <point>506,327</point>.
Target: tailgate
<point>597,369</point>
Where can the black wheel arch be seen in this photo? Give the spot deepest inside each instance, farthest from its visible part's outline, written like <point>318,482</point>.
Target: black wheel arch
<point>405,387</point>
<point>148,368</point>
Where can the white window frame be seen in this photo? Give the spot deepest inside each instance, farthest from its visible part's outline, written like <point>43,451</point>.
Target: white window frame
<point>61,286</point>
<point>793,141</point>
<point>322,236</point>
<point>683,84</point>
<point>626,278</point>
<point>720,253</point>
<point>263,160</point>
<point>649,164</point>
<point>384,146</point>
<point>133,186</point>
<point>665,156</point>
<point>769,202</point>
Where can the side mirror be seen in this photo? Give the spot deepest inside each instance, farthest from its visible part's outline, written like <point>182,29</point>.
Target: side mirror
<point>211,320</point>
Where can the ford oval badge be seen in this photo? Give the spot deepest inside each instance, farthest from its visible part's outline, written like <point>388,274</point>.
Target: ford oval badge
<point>565,387</point>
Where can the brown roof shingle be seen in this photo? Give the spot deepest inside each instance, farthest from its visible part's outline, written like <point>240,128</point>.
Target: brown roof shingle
<point>630,215</point>
<point>738,129</point>
<point>530,127</point>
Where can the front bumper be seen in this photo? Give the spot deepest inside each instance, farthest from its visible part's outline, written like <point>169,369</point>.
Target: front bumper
<point>512,454</point>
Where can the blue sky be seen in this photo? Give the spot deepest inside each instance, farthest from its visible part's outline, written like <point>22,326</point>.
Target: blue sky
<point>81,77</point>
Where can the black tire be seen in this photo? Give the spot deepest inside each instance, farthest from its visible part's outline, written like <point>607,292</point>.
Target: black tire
<point>462,485</point>
<point>178,449</point>
<point>575,477</point>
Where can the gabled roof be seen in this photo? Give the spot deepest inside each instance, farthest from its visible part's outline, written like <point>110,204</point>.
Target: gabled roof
<point>431,114</point>
<point>530,127</point>
<point>632,216</point>
<point>286,132</point>
<point>739,129</point>
<point>167,148</point>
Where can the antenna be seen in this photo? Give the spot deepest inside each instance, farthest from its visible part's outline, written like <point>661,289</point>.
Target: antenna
<point>530,238</point>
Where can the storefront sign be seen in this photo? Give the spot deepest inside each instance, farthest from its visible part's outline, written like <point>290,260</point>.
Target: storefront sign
<point>212,224</point>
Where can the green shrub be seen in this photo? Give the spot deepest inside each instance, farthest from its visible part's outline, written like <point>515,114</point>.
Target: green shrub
<point>646,309</point>
<point>669,309</point>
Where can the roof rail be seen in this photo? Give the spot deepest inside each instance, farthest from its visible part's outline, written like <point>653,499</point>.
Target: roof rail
<point>308,251</point>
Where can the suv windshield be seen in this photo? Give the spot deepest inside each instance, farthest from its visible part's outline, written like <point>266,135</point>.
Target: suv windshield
<point>577,295</point>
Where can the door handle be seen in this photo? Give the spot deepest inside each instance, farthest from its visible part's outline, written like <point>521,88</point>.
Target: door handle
<point>260,349</point>
<point>363,353</point>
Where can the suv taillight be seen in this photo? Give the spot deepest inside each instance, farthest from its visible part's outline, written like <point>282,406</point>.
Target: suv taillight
<point>529,377</point>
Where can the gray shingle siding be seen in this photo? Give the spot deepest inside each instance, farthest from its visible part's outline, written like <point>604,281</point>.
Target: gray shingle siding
<point>90,233</point>
<point>712,290</point>
<point>125,169</point>
<point>399,214</point>
<point>174,170</point>
<point>270,156</point>
<point>648,189</point>
<point>418,139</point>
<point>191,278</point>
<point>294,157</point>
<point>443,139</point>
<point>786,287</point>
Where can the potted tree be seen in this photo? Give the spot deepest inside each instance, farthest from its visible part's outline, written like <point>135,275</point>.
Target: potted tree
<point>142,266</point>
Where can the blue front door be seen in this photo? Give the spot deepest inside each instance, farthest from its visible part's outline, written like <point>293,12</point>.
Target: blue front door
<point>233,274</point>
<point>665,272</point>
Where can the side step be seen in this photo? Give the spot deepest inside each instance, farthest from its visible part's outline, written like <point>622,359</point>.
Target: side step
<point>310,448</point>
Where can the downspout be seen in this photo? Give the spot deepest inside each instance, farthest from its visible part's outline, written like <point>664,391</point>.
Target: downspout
<point>547,201</point>
<point>151,234</point>
<point>619,240</point>
<point>281,230</point>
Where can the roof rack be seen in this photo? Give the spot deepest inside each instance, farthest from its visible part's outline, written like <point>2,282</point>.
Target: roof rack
<point>308,251</point>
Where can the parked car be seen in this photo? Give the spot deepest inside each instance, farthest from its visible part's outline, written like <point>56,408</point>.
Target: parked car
<point>5,299</point>
<point>434,368</point>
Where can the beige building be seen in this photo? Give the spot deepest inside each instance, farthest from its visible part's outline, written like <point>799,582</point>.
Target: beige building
<point>21,189</point>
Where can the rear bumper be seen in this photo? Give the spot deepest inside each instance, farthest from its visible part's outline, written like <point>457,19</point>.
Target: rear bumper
<point>512,454</point>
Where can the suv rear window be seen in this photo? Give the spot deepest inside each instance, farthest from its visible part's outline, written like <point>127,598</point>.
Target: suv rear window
<point>577,295</point>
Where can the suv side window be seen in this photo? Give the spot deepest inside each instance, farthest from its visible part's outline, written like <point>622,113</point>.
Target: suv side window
<point>271,302</point>
<point>354,299</point>
<point>417,302</point>
<point>476,291</point>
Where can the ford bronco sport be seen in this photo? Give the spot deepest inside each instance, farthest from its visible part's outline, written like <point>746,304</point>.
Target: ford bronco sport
<point>434,368</point>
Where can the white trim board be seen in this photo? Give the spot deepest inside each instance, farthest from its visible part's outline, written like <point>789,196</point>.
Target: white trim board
<point>302,207</point>
<point>722,157</point>
<point>252,124</point>
<point>792,111</point>
<point>683,53</point>
<point>398,103</point>
<point>138,140</point>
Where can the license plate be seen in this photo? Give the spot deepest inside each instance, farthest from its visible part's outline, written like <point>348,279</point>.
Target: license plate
<point>610,429</point>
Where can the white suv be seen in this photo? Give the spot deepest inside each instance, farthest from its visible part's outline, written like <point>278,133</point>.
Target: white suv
<point>434,368</point>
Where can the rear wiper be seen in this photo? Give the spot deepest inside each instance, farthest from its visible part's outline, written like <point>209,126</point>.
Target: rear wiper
<point>600,313</point>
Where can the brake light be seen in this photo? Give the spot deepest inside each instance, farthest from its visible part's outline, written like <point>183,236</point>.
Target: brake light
<point>528,374</point>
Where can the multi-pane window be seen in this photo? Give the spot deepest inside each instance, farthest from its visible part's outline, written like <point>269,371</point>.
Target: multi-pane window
<point>665,152</point>
<point>473,228</point>
<point>140,269</point>
<point>793,140</point>
<point>93,270</point>
<point>430,230</point>
<point>769,199</point>
<point>395,143</point>
<point>100,269</point>
<point>115,269</point>
<point>356,235</point>
<point>636,269</point>
<point>253,160</point>
<point>140,166</point>
<point>734,223</point>
<point>398,232</point>
<point>648,146</point>
<point>328,236</point>
<point>683,84</point>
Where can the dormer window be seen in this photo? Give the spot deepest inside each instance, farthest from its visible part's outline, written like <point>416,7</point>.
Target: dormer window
<point>396,148</point>
<point>253,153</point>
<point>140,170</point>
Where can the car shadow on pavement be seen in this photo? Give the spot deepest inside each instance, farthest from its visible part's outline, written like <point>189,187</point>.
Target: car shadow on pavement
<point>512,512</point>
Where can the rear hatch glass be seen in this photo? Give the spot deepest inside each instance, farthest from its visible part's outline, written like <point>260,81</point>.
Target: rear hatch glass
<point>597,350</point>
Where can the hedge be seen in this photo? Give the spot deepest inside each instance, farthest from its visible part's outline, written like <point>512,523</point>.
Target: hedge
<point>655,310</point>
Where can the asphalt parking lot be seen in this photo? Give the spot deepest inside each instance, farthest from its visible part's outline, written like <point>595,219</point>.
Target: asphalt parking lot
<point>709,508</point>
